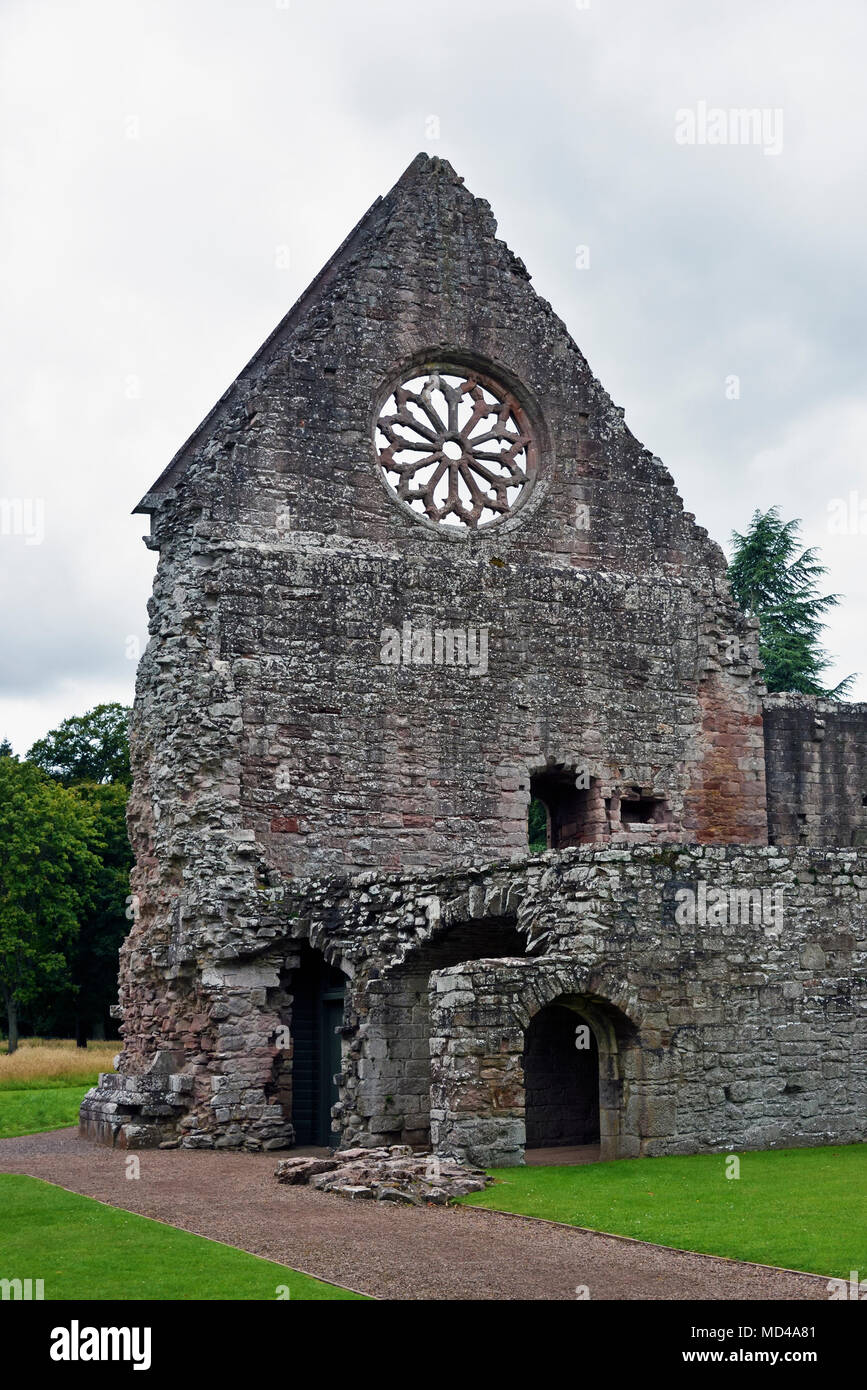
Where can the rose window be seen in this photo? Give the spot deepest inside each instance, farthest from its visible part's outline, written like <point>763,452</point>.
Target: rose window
<point>457,449</point>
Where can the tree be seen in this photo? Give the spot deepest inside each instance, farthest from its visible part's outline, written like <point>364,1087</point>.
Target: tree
<point>775,583</point>
<point>89,754</point>
<point>6,749</point>
<point>48,874</point>
<point>537,826</point>
<point>105,924</point>
<point>91,747</point>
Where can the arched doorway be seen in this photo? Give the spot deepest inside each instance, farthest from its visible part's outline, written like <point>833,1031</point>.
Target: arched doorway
<point>590,1084</point>
<point>561,1080</point>
<point>398,1077</point>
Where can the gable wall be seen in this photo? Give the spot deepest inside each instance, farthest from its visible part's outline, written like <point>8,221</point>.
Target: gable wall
<point>608,648</point>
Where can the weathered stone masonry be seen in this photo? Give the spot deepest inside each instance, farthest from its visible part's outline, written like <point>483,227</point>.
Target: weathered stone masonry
<point>816,759</point>
<point>711,1036</point>
<point>324,763</point>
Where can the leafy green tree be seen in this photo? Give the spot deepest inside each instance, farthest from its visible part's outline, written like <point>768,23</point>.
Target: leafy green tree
<point>537,827</point>
<point>777,582</point>
<point>48,875</point>
<point>91,747</point>
<point>105,924</point>
<point>89,754</point>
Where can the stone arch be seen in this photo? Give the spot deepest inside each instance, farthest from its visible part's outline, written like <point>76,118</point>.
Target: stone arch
<point>481,1012</point>
<point>607,1029</point>
<point>610,1010</point>
<point>394,1075</point>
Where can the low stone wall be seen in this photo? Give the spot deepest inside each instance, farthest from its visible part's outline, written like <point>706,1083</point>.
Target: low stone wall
<point>816,768</point>
<point>725,987</point>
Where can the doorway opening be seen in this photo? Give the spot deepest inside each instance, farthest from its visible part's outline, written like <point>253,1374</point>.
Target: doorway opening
<point>400,1081</point>
<point>317,1000</point>
<point>561,1080</point>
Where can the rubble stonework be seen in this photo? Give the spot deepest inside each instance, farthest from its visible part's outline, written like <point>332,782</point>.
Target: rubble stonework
<point>326,770</point>
<point>740,1033</point>
<point>393,1174</point>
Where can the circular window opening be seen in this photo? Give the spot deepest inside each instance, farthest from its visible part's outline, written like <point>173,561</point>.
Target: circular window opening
<point>457,448</point>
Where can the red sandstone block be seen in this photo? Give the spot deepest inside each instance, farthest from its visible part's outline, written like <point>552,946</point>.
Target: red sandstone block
<point>284,825</point>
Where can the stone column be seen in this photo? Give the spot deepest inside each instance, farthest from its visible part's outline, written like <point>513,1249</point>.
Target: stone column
<point>477,1084</point>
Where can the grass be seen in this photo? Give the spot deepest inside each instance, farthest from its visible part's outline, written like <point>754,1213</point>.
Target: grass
<point>84,1250</point>
<point>55,1062</point>
<point>44,1082</point>
<point>31,1112</point>
<point>797,1208</point>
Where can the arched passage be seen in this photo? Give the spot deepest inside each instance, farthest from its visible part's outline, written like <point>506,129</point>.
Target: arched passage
<point>575,1050</point>
<point>505,1071</point>
<point>396,1055</point>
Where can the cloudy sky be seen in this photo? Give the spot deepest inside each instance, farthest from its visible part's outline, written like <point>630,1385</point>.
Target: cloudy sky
<point>174,172</point>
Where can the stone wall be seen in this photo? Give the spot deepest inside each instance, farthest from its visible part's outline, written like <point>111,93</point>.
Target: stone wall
<point>816,762</point>
<point>288,779</point>
<point>743,1028</point>
<point>612,642</point>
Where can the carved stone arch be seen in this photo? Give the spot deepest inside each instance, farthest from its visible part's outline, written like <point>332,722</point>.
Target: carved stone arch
<point>496,896</point>
<point>558,975</point>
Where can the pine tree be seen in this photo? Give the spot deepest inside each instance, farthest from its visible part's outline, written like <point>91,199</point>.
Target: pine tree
<point>777,582</point>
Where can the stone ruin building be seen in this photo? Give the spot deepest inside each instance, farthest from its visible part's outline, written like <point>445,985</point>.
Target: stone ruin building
<point>415,571</point>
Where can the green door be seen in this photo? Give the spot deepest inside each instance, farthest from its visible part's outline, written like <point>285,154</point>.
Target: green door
<point>317,1011</point>
<point>330,1052</point>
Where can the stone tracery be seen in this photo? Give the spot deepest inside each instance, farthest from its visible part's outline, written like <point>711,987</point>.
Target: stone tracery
<point>456,448</point>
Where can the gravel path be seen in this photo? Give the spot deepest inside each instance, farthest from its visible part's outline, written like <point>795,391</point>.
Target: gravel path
<point>389,1251</point>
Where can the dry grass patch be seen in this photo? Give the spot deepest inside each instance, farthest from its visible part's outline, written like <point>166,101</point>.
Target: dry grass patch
<point>55,1062</point>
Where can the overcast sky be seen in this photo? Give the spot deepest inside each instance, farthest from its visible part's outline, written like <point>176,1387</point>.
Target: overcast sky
<point>174,173</point>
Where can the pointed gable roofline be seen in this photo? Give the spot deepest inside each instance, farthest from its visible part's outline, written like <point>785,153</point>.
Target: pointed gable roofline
<point>367,224</point>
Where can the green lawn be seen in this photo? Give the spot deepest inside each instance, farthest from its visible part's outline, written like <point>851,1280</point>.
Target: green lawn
<point>84,1250</point>
<point>39,1107</point>
<point>800,1208</point>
